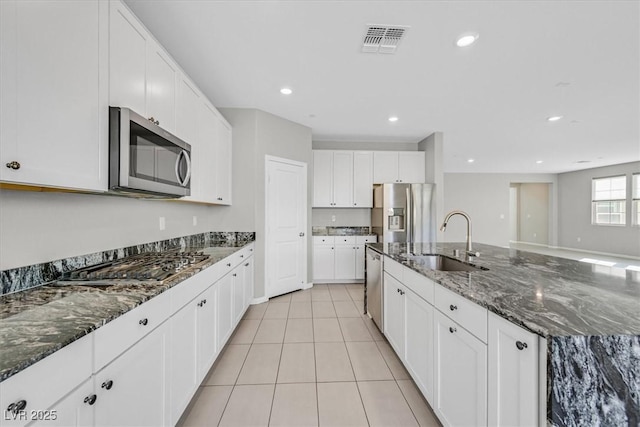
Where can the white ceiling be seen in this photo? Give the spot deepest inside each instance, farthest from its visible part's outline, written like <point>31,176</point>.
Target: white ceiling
<point>490,100</point>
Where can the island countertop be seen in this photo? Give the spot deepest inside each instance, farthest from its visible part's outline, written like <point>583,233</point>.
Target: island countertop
<point>547,295</point>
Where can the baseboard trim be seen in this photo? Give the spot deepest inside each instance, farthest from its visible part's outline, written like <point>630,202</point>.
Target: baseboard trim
<point>259,300</point>
<point>307,285</point>
<point>597,253</point>
<point>611,254</point>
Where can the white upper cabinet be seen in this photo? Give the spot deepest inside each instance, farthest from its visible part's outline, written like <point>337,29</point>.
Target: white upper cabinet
<point>127,60</point>
<point>362,179</point>
<point>398,166</point>
<point>411,166</point>
<point>385,167</point>
<point>342,179</point>
<point>161,88</point>
<point>322,178</point>
<point>142,77</point>
<point>53,108</point>
<point>188,105</point>
<point>223,159</point>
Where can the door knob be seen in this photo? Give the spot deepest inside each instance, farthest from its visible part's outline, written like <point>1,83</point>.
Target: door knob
<point>13,165</point>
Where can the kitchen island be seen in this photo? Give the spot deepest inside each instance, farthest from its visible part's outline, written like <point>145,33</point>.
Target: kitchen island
<point>588,314</point>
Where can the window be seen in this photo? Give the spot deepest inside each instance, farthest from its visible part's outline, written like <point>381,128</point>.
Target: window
<point>635,209</point>
<point>609,199</point>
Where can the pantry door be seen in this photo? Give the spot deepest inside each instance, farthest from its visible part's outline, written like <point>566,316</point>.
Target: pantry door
<point>286,226</point>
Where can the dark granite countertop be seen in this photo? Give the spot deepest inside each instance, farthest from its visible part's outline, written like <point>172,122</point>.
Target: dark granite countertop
<point>37,322</point>
<point>547,295</point>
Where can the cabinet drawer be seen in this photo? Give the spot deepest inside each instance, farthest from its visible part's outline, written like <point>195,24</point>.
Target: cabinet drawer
<point>345,240</point>
<point>323,240</point>
<point>114,338</point>
<point>469,315</point>
<point>366,239</point>
<point>419,284</point>
<point>394,268</point>
<point>187,290</point>
<point>45,382</point>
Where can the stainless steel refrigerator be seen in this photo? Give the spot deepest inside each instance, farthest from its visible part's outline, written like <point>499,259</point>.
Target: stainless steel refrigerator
<point>404,213</point>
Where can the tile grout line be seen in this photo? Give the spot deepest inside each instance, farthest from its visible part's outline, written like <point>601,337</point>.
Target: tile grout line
<point>235,383</point>
<point>273,396</point>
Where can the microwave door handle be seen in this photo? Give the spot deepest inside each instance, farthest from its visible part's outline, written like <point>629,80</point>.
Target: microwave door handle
<point>185,155</point>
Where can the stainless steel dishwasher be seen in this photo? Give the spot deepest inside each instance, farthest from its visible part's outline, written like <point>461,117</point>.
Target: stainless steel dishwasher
<point>374,286</point>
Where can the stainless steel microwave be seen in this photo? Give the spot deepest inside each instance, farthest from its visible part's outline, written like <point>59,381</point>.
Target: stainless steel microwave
<point>145,159</point>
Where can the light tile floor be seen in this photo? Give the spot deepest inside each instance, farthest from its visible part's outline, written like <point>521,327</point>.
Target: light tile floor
<point>309,358</point>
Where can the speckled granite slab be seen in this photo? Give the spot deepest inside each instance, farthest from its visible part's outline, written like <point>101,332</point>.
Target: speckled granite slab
<point>37,322</point>
<point>341,231</point>
<point>589,314</point>
<point>18,279</point>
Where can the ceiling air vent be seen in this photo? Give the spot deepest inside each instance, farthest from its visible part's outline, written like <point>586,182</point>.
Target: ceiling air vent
<point>382,38</point>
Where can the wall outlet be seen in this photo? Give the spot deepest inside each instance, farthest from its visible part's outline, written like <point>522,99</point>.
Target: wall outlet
<point>195,220</point>
<point>162,223</point>
<point>333,218</point>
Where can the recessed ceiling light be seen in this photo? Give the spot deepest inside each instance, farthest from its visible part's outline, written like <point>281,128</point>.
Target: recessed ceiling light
<point>538,161</point>
<point>286,91</point>
<point>471,160</point>
<point>467,39</point>
<point>393,119</point>
<point>554,118</point>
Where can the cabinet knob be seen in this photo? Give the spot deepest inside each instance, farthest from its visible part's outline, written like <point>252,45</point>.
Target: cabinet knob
<point>204,301</point>
<point>200,304</point>
<point>13,165</point>
<point>235,275</point>
<point>107,384</point>
<point>521,345</point>
<point>144,322</point>
<point>220,198</point>
<point>401,292</point>
<point>452,329</point>
<point>246,265</point>
<point>453,307</point>
<point>154,121</point>
<point>91,399</point>
<point>228,264</point>
<point>301,234</point>
<point>17,406</point>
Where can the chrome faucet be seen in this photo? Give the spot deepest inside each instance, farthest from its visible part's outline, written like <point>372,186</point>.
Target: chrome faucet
<point>443,227</point>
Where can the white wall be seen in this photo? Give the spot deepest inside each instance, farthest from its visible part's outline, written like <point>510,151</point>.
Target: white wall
<point>574,219</point>
<point>40,227</point>
<point>485,197</point>
<point>533,211</point>
<point>262,134</point>
<point>345,217</point>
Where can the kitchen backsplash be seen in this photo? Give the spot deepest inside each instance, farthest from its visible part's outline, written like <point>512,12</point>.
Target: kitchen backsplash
<point>22,278</point>
<point>341,231</point>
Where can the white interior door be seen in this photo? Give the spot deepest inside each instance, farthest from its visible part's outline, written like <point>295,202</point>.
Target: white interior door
<point>286,225</point>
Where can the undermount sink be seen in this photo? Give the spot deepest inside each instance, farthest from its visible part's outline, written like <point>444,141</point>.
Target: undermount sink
<point>442,263</point>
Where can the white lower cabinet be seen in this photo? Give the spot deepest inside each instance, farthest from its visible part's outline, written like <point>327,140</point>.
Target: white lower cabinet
<point>132,390</point>
<point>248,281</point>
<point>339,258</point>
<point>73,410</point>
<point>206,344</point>
<point>419,342</point>
<point>513,374</point>
<point>394,313</point>
<point>460,392</point>
<point>224,309</point>
<point>238,293</point>
<point>183,372</point>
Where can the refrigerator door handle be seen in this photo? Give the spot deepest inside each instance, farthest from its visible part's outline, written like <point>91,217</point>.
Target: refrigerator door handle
<point>408,218</point>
